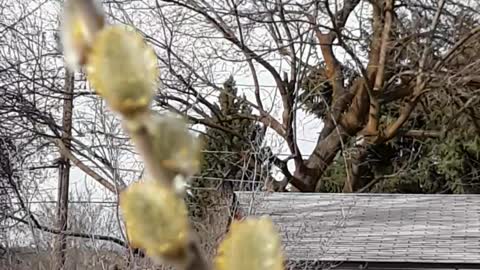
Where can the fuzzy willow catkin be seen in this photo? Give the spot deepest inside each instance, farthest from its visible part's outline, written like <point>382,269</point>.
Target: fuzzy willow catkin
<point>122,68</point>
<point>252,244</point>
<point>81,21</point>
<point>156,220</point>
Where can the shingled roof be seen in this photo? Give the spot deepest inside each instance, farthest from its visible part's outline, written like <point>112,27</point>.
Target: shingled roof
<point>403,228</point>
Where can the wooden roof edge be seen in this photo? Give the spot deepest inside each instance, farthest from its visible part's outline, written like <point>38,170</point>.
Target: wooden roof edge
<point>266,193</point>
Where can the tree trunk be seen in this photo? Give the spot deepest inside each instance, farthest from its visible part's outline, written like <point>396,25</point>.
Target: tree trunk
<point>357,165</point>
<point>322,156</point>
<point>64,175</point>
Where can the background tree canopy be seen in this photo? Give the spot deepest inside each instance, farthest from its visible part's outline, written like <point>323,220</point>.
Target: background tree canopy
<point>394,82</point>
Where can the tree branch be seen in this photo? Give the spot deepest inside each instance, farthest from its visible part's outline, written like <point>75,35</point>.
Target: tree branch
<point>374,114</point>
<point>420,84</point>
<point>72,234</point>
<point>102,181</point>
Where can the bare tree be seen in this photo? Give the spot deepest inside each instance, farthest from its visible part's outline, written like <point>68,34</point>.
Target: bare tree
<point>361,60</point>
<point>48,137</point>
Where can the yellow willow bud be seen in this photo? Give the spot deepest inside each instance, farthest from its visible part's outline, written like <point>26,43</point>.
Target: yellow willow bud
<point>122,68</point>
<point>175,147</point>
<point>156,220</point>
<point>170,144</point>
<point>252,244</point>
<point>81,21</point>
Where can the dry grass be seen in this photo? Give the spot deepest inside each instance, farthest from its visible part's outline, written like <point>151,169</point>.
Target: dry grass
<point>77,259</point>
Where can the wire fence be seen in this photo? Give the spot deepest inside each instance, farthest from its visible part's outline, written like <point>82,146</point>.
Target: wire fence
<point>96,218</point>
